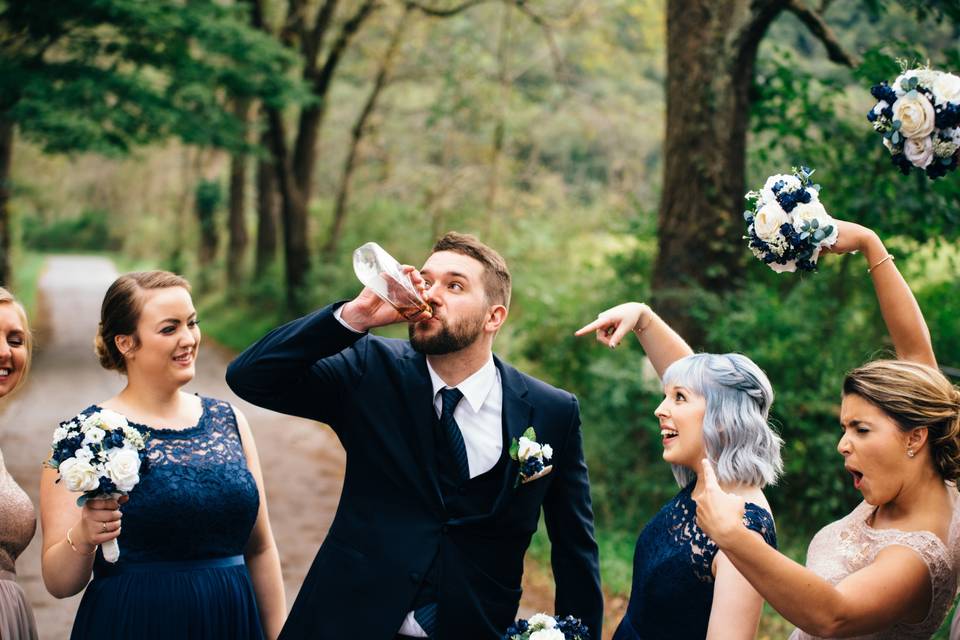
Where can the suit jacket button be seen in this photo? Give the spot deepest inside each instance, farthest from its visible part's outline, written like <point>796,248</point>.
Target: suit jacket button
<point>414,577</point>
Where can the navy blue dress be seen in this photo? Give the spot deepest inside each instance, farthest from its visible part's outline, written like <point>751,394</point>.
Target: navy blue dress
<point>672,588</point>
<point>181,572</point>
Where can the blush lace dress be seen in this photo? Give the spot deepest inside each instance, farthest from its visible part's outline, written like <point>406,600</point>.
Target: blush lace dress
<point>181,573</point>
<point>849,544</point>
<point>673,582</point>
<point>17,525</point>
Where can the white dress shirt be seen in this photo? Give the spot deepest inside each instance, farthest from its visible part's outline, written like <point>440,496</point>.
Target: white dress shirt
<point>480,418</point>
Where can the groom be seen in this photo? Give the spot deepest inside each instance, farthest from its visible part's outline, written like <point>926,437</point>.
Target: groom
<point>435,514</point>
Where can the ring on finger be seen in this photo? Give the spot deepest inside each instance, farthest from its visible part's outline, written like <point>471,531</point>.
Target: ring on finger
<point>103,527</point>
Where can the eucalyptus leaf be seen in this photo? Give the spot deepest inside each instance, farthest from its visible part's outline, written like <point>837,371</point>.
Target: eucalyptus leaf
<point>530,434</point>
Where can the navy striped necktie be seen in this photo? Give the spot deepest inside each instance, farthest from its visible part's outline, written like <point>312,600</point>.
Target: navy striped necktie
<point>449,426</point>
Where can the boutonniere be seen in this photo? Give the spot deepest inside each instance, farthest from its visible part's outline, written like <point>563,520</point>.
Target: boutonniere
<point>533,457</point>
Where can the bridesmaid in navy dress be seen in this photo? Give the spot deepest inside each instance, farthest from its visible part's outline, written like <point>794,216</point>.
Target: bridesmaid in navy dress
<point>715,407</point>
<point>197,556</point>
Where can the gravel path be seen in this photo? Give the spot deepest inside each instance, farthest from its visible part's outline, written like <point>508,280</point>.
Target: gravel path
<point>66,378</point>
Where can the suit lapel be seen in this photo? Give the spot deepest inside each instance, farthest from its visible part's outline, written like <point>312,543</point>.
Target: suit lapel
<point>418,393</point>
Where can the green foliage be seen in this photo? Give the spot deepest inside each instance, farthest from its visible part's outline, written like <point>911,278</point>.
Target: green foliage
<point>107,75</point>
<point>89,231</point>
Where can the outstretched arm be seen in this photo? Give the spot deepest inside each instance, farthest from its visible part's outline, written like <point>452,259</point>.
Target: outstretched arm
<point>895,587</point>
<point>663,345</point>
<point>899,307</point>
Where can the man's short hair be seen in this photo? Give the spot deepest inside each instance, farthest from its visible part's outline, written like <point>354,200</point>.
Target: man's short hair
<point>496,275</point>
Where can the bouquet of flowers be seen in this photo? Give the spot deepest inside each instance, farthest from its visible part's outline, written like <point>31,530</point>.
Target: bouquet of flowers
<point>919,117</point>
<point>544,627</point>
<point>100,455</point>
<point>788,227</point>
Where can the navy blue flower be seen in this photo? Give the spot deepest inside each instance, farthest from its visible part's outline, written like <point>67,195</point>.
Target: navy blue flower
<point>107,485</point>
<point>883,91</point>
<point>947,116</point>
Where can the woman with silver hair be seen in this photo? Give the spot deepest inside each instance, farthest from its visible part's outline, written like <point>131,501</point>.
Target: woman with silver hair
<point>714,407</point>
<point>887,570</point>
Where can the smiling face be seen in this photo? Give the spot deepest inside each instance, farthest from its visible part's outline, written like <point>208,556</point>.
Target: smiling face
<point>681,426</point>
<point>461,312</point>
<point>874,449</point>
<point>167,338</point>
<point>13,348</point>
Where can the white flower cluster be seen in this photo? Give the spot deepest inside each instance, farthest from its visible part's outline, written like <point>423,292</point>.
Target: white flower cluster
<point>789,199</point>
<point>907,114</point>
<point>544,627</point>
<point>532,449</point>
<point>85,461</point>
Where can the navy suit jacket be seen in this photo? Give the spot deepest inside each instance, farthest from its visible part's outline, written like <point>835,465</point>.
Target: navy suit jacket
<point>391,523</point>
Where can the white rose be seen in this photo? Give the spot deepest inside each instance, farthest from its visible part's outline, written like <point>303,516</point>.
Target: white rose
<point>919,151</point>
<point>542,621</point>
<point>915,114</point>
<point>59,434</point>
<point>767,222</point>
<point>809,211</point>
<point>79,475</point>
<point>123,467</point>
<point>83,455</point>
<point>926,77</point>
<point>94,435</point>
<point>527,448</point>
<point>946,88</point>
<point>112,419</point>
<point>547,634</point>
<point>547,451</point>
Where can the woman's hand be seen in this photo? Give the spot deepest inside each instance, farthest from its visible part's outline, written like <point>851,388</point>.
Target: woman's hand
<point>99,522</point>
<point>719,514</point>
<point>613,324</point>
<point>852,237</point>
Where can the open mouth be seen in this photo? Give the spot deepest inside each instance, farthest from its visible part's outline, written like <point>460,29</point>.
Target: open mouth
<point>184,358</point>
<point>668,434</point>
<point>857,478</point>
<point>5,371</point>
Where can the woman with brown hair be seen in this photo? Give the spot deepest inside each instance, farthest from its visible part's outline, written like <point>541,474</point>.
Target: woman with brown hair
<point>17,519</point>
<point>197,556</point>
<point>889,568</point>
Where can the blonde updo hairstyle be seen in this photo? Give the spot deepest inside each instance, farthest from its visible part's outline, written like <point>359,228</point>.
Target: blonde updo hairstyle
<point>914,395</point>
<point>120,312</point>
<point>8,298</point>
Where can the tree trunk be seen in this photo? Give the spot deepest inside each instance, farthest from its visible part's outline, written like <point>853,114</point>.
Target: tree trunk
<point>350,164</point>
<point>266,250</point>
<point>236,223</point>
<point>6,156</point>
<point>711,51</point>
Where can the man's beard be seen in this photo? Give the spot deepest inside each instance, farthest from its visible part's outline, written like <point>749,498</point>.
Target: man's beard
<point>450,338</point>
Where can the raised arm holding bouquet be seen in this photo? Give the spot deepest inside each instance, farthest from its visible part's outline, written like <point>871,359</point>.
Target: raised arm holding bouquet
<point>888,569</point>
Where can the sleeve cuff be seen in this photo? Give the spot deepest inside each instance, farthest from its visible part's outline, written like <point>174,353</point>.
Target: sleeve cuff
<point>336,314</point>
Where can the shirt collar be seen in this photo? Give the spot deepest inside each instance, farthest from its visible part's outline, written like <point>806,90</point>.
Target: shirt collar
<point>475,388</point>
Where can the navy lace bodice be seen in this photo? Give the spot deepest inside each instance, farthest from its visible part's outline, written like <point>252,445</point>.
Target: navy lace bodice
<point>197,499</point>
<point>672,572</point>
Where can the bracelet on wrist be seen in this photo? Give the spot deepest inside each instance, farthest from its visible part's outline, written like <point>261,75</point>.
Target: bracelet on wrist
<point>889,257</point>
<point>74,547</point>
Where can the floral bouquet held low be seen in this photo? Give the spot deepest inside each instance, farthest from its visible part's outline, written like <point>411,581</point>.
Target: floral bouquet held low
<point>101,456</point>
<point>919,117</point>
<point>787,227</point>
<point>544,627</point>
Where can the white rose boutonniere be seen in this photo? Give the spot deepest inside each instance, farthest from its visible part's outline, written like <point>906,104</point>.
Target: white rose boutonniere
<point>534,458</point>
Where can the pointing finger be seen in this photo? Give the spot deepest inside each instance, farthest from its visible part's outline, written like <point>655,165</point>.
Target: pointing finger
<point>709,476</point>
<point>593,326</point>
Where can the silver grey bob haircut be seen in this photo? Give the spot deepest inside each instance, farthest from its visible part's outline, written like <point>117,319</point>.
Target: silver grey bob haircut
<point>740,443</point>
